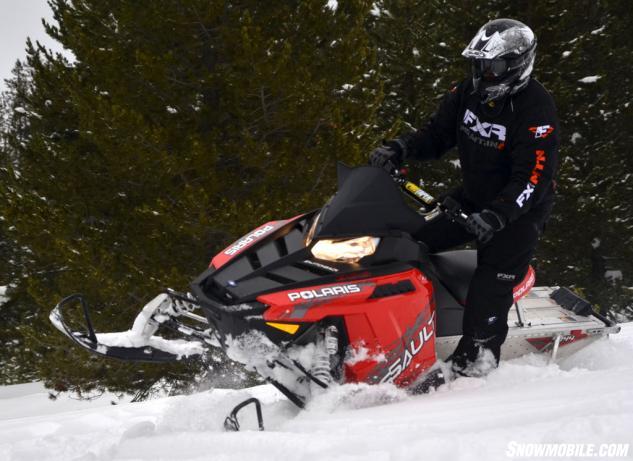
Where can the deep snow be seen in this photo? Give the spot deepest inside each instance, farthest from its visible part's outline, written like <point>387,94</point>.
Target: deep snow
<point>588,398</point>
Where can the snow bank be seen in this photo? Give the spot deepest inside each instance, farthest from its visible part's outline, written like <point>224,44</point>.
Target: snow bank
<point>587,398</point>
<point>24,401</point>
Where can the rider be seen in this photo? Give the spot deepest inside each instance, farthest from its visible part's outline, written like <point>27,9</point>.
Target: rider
<point>505,127</point>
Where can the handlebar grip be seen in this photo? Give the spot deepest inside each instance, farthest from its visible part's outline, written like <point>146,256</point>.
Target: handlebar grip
<point>451,205</point>
<point>454,210</point>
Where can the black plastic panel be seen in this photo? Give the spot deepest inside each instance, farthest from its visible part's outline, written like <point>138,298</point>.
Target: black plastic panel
<point>448,311</point>
<point>294,274</point>
<point>268,253</point>
<point>234,270</point>
<point>392,289</point>
<point>455,269</point>
<point>246,288</point>
<point>570,300</point>
<point>294,240</point>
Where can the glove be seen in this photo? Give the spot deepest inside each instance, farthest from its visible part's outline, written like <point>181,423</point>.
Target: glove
<point>389,156</point>
<point>485,224</point>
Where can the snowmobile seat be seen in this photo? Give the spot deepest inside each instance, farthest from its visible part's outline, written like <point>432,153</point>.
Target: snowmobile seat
<point>455,269</point>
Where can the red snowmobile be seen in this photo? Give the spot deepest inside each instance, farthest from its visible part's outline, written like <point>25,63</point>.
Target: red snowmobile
<point>341,294</point>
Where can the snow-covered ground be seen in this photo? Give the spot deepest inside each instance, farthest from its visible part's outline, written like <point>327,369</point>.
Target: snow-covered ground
<point>588,398</point>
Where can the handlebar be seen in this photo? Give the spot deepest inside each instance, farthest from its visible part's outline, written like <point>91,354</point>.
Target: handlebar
<point>431,206</point>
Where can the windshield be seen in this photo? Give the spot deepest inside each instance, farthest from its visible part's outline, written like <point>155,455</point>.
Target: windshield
<point>368,202</point>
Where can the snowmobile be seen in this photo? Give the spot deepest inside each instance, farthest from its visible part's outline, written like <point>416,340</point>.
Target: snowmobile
<point>338,295</point>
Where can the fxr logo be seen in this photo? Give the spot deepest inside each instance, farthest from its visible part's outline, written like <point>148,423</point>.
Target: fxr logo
<point>525,195</point>
<point>506,277</point>
<point>539,165</point>
<point>485,130</point>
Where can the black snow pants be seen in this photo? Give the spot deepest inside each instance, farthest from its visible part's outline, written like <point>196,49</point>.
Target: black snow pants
<point>501,264</point>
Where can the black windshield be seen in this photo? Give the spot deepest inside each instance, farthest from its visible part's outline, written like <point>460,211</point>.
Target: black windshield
<point>368,202</point>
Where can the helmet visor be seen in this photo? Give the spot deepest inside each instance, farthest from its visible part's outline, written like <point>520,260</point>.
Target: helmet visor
<point>490,69</point>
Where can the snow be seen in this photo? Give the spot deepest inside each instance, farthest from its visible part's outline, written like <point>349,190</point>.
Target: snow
<point>566,53</point>
<point>31,400</point>
<point>361,353</point>
<point>613,275</point>
<point>332,4</point>
<point>179,347</point>
<point>375,10</point>
<point>590,79</point>
<point>142,330</point>
<point>3,294</point>
<point>588,398</point>
<point>575,137</point>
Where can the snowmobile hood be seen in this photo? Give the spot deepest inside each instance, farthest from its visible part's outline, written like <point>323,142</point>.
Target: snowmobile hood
<point>368,202</point>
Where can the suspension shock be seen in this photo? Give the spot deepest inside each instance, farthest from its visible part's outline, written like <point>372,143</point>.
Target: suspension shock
<point>326,348</point>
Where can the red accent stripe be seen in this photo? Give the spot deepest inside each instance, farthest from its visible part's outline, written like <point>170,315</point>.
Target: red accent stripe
<point>525,286</point>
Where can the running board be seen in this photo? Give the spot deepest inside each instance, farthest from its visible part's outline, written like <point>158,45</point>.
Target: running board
<point>539,323</point>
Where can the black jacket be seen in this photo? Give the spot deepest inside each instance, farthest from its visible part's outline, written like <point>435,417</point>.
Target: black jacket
<point>508,153</point>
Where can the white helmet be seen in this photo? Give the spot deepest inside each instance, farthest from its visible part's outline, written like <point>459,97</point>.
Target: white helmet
<point>502,55</point>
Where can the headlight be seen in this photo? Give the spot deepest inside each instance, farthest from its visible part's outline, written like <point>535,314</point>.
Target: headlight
<point>346,251</point>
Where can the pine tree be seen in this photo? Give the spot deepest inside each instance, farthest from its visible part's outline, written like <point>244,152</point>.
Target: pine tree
<point>15,305</point>
<point>178,127</point>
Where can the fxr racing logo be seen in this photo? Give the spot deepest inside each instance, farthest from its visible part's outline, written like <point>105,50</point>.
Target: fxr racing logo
<point>489,134</point>
<point>539,166</point>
